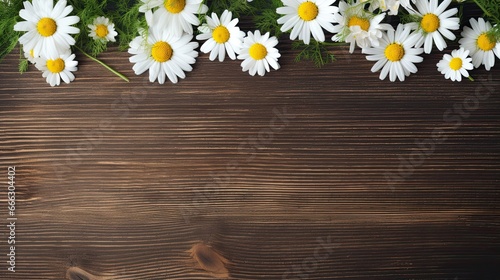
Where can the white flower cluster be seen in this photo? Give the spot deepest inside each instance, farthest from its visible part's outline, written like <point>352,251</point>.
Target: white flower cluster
<point>167,50</point>
<point>395,51</point>
<point>47,41</point>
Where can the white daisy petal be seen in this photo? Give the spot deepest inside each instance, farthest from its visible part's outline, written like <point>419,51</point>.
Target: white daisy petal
<point>208,46</point>
<point>385,71</point>
<point>214,52</point>
<point>222,52</point>
<point>447,34</point>
<point>379,64</point>
<point>399,71</point>
<point>439,41</point>
<point>154,72</point>
<point>161,74</point>
<point>290,23</point>
<point>230,51</point>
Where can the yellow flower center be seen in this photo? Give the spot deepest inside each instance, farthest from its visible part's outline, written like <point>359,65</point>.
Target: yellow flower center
<point>484,42</point>
<point>394,52</point>
<point>430,23</point>
<point>456,63</point>
<point>175,6</point>
<point>220,34</point>
<point>308,11</point>
<point>363,23</point>
<point>161,51</point>
<point>101,31</point>
<point>258,51</point>
<point>46,27</point>
<point>55,66</point>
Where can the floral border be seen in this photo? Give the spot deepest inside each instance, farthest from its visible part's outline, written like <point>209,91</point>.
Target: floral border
<point>164,37</point>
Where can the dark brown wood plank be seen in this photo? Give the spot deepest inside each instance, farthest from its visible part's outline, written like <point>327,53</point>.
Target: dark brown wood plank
<point>120,180</point>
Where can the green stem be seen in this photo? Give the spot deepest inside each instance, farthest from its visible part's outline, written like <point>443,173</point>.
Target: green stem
<point>103,64</point>
<point>471,79</point>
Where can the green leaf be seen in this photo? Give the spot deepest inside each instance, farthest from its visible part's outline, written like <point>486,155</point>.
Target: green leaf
<point>23,65</point>
<point>237,7</point>
<point>491,9</point>
<point>266,18</point>
<point>316,52</point>
<point>128,21</point>
<point>9,15</point>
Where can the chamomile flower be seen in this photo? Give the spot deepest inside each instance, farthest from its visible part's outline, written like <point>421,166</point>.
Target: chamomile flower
<point>357,26</point>
<point>222,36</point>
<point>455,66</point>
<point>481,46</point>
<point>102,29</point>
<point>58,67</point>
<point>48,27</point>
<point>29,55</point>
<point>178,16</point>
<point>163,54</point>
<point>258,52</point>
<point>306,17</point>
<point>396,54</point>
<point>435,23</point>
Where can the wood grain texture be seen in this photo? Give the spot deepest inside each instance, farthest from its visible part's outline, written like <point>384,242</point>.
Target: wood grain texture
<point>275,177</point>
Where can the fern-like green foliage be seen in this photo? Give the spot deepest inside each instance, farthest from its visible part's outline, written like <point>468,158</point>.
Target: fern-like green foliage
<point>9,15</point>
<point>405,17</point>
<point>495,33</point>
<point>267,19</point>
<point>316,51</point>
<point>237,7</point>
<point>491,9</point>
<point>23,64</point>
<point>128,20</point>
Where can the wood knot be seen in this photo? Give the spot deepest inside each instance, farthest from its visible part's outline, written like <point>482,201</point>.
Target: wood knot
<point>76,273</point>
<point>209,260</point>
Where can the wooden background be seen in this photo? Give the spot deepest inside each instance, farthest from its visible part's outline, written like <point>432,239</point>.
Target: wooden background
<point>121,180</point>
